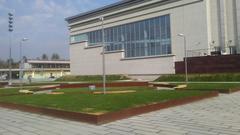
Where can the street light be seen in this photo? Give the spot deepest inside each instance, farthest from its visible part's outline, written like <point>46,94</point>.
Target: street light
<point>10,30</point>
<point>21,62</point>
<point>103,56</point>
<point>185,51</point>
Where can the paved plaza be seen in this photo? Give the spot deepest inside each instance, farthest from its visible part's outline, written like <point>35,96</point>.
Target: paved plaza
<point>215,116</point>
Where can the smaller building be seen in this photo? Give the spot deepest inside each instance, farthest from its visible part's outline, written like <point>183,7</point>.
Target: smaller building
<point>39,69</point>
<point>44,69</point>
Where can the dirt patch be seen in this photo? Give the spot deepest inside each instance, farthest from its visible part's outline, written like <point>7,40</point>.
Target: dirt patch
<point>115,92</point>
<point>48,86</point>
<point>56,93</point>
<point>2,84</point>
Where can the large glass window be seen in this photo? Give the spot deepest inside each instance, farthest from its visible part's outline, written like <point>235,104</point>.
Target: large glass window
<point>149,37</point>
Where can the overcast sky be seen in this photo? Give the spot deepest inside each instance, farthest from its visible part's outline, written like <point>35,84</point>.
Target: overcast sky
<point>42,22</point>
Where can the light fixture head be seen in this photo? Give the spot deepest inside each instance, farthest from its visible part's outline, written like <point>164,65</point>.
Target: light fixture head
<point>181,35</point>
<point>24,39</point>
<point>10,14</point>
<point>101,18</point>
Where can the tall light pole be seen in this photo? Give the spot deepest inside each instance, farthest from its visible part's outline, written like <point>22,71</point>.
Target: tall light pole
<point>10,30</point>
<point>21,62</point>
<point>103,56</point>
<point>185,52</point>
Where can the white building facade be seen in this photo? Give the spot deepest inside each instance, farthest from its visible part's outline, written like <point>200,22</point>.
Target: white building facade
<point>140,36</point>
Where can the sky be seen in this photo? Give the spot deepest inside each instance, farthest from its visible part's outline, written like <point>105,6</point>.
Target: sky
<point>42,22</point>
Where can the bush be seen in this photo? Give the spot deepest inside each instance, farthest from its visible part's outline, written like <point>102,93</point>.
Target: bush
<point>91,78</point>
<point>223,77</point>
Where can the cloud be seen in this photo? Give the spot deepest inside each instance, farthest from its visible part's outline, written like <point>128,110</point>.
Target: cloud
<point>2,7</point>
<point>2,1</point>
<point>44,17</point>
<point>51,7</point>
<point>3,21</point>
<point>42,21</point>
<point>20,1</point>
<point>42,6</point>
<point>37,23</point>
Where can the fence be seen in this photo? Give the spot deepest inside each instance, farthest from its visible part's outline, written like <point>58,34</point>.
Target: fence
<point>210,64</point>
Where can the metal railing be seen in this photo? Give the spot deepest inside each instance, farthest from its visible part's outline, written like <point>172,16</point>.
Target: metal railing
<point>211,52</point>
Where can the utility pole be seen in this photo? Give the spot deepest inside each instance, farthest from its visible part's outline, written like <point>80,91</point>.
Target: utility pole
<point>185,53</point>
<point>21,62</point>
<point>10,30</point>
<point>103,56</point>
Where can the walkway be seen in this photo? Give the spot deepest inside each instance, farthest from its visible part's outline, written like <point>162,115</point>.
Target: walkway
<point>216,116</point>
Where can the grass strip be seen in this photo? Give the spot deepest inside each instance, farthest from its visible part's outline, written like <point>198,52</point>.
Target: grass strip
<point>224,77</point>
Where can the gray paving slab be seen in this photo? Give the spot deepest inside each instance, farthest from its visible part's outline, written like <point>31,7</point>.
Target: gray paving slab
<point>215,116</point>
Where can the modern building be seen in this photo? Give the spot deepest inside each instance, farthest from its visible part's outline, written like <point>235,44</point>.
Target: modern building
<point>141,36</point>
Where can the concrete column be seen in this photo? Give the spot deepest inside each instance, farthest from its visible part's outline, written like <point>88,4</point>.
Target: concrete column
<point>230,19</point>
<point>61,74</point>
<point>33,74</point>
<point>214,24</point>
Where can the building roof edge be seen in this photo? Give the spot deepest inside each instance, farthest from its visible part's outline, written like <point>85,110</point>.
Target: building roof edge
<point>117,4</point>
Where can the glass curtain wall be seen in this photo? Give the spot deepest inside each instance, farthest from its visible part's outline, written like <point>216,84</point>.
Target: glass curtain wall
<point>151,37</point>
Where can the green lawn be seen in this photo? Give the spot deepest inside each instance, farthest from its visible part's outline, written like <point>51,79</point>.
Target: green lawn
<point>38,84</point>
<point>89,103</point>
<point>8,91</point>
<point>214,86</point>
<point>79,90</point>
<point>11,91</point>
<point>92,78</point>
<point>210,86</point>
<point>223,77</point>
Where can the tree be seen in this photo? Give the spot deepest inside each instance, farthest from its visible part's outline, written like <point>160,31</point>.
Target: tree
<point>3,64</point>
<point>44,57</point>
<point>24,59</point>
<point>13,63</point>
<point>55,56</point>
<point>10,60</point>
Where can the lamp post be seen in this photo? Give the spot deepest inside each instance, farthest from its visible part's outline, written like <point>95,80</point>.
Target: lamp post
<point>185,52</point>
<point>103,56</point>
<point>21,62</point>
<point>10,30</point>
